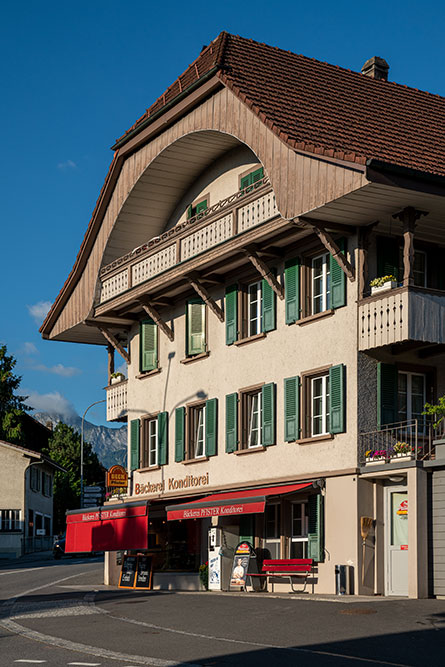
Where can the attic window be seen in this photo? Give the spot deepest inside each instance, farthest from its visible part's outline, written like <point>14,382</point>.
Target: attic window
<point>251,178</point>
<point>195,209</point>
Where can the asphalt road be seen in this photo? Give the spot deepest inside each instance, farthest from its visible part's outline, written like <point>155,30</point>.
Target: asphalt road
<point>57,613</point>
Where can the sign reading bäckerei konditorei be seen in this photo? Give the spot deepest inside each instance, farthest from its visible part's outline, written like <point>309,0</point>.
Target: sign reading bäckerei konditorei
<point>117,477</point>
<point>171,484</point>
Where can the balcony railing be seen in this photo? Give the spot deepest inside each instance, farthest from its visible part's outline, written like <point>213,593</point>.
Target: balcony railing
<point>401,314</point>
<point>117,401</point>
<point>236,214</point>
<point>401,441</point>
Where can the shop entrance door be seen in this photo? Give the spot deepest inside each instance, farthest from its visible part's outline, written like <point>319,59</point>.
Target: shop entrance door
<point>396,551</point>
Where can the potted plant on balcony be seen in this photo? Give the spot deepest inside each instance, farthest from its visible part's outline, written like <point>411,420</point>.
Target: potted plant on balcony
<point>376,456</point>
<point>383,284</point>
<point>115,378</point>
<point>437,412</point>
<point>402,451</point>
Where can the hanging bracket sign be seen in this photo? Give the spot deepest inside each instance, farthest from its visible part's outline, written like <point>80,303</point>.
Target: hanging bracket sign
<point>117,477</point>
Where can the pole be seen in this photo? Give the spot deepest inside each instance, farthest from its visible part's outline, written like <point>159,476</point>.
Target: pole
<point>81,448</point>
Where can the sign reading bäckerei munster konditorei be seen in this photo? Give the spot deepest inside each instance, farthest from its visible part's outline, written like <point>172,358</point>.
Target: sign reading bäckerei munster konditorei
<point>171,484</point>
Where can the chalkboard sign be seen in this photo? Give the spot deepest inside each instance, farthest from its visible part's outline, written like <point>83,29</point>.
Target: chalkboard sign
<point>143,573</point>
<point>128,572</point>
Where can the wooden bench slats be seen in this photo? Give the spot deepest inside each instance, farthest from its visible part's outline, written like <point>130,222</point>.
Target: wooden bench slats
<point>288,561</point>
<point>286,567</point>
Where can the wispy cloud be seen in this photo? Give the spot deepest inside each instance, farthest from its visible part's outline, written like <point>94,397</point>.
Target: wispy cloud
<point>53,403</point>
<point>30,349</point>
<point>58,369</point>
<point>68,164</point>
<point>39,310</point>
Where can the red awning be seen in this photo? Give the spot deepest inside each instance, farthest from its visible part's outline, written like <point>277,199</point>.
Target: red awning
<point>107,528</point>
<point>249,501</point>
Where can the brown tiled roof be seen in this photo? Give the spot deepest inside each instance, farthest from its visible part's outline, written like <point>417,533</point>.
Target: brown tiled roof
<point>322,108</point>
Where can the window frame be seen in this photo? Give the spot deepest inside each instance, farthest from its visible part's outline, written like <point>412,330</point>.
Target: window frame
<point>276,540</point>
<point>259,308</point>
<point>35,479</point>
<point>191,436</point>
<point>409,395</point>
<point>13,521</point>
<point>252,171</point>
<point>147,420</point>
<point>301,538</point>
<point>306,398</point>
<point>325,293</point>
<point>192,211</point>
<point>189,302</point>
<point>47,486</point>
<point>244,418</point>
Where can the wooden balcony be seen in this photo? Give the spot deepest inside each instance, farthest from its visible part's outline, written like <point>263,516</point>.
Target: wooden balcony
<point>117,401</point>
<point>228,218</point>
<point>402,314</point>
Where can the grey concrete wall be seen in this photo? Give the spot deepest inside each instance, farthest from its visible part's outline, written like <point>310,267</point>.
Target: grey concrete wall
<point>438,532</point>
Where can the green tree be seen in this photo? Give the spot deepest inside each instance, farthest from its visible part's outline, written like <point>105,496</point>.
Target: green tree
<point>12,406</point>
<point>64,448</point>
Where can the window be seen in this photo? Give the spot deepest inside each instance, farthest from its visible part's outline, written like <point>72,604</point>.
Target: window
<point>320,405</point>
<point>323,403</point>
<point>248,180</point>
<point>250,309</point>
<point>9,520</point>
<point>197,431</point>
<point>419,267</point>
<point>256,409</point>
<point>47,485</point>
<point>196,327</point>
<point>253,407</point>
<point>196,428</point>
<point>254,309</point>
<point>35,479</point>
<point>272,529</point>
<point>196,208</point>
<point>411,396</point>
<point>148,336</point>
<point>321,283</point>
<point>154,439</point>
<point>299,530</point>
<point>150,446</point>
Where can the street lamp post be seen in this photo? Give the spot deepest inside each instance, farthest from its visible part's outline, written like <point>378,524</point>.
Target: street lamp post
<point>81,449</point>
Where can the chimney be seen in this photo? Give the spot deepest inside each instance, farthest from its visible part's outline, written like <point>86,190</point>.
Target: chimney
<point>377,68</point>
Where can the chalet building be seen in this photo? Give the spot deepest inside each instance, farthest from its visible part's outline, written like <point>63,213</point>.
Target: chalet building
<point>272,393</point>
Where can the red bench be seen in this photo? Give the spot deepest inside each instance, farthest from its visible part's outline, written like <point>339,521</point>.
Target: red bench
<point>290,568</point>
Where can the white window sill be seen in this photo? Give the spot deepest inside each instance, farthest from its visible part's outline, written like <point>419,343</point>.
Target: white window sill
<point>250,450</point>
<point>201,459</point>
<point>315,438</point>
<point>147,374</point>
<point>250,339</point>
<point>196,357</point>
<point>314,318</point>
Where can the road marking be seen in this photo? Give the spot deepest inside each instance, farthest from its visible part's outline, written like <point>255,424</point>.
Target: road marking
<point>294,649</point>
<point>34,662</point>
<point>86,664</point>
<point>28,569</point>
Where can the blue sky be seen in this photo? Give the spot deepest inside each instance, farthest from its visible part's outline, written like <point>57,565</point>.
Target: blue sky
<point>76,75</point>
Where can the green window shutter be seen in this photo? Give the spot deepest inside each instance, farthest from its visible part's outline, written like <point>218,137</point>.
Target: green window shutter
<point>268,414</point>
<point>148,335</point>
<point>291,409</point>
<point>257,175</point>
<point>196,343</point>
<point>292,290</point>
<point>337,399</point>
<point>211,423</point>
<point>387,387</point>
<point>388,257</point>
<point>268,306</point>
<point>201,207</point>
<point>231,422</point>
<point>134,444</point>
<point>316,528</point>
<point>162,438</point>
<point>245,182</point>
<point>231,314</point>
<point>338,279</point>
<point>246,528</point>
<point>179,434</point>
<point>189,212</point>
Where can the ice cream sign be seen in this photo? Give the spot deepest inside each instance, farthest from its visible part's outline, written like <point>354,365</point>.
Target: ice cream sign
<point>403,509</point>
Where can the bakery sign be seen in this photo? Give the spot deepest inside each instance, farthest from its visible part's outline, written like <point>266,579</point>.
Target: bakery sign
<point>117,477</point>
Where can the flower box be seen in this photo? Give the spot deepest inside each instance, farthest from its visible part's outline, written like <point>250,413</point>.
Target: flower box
<point>390,284</point>
<point>371,460</point>
<point>117,379</point>
<point>397,458</point>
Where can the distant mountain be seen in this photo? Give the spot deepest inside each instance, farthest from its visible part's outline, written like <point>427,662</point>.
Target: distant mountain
<point>110,444</point>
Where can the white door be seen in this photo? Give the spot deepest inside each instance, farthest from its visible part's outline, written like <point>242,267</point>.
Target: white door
<point>396,551</point>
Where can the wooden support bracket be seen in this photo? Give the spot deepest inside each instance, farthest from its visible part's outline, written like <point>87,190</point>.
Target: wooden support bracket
<point>331,247</point>
<point>115,343</point>
<point>153,313</point>
<point>199,288</point>
<point>262,268</point>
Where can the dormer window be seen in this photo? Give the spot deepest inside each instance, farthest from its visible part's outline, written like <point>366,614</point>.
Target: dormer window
<point>248,180</point>
<point>196,208</point>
